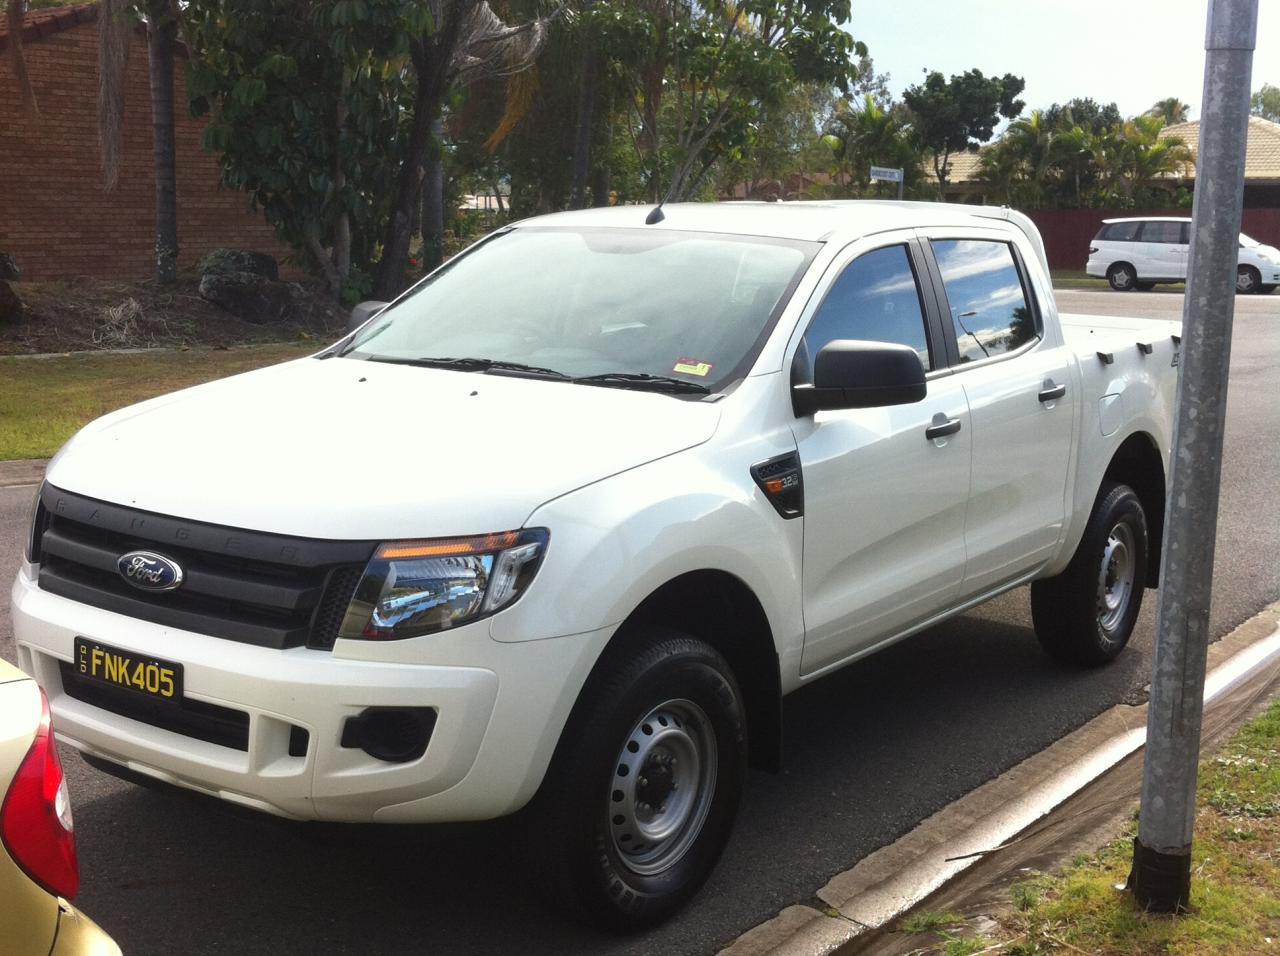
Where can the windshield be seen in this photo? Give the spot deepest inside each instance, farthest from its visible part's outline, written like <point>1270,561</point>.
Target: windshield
<point>1248,243</point>
<point>621,305</point>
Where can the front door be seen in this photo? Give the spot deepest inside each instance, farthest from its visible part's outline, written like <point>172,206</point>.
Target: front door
<point>885,488</point>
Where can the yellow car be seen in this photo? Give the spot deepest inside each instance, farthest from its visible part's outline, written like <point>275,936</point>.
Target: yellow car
<point>38,869</point>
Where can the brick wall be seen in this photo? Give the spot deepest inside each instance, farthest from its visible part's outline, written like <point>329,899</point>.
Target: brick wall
<point>1067,232</point>
<point>54,214</point>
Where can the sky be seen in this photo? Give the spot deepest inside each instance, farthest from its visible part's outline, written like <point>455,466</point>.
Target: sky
<point>1132,52</point>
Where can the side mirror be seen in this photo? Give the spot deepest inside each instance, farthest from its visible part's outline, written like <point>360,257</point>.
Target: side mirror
<point>854,374</point>
<point>363,312</point>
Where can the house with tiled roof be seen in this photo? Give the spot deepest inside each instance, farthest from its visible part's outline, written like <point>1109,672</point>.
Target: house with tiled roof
<point>1261,159</point>
<point>55,216</point>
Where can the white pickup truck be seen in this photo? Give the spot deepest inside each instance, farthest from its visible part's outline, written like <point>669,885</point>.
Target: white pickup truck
<point>557,530</point>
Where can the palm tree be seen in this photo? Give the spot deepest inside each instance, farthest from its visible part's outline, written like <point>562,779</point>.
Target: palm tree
<point>1144,158</point>
<point>1172,110</point>
<point>115,33</point>
<point>861,138</point>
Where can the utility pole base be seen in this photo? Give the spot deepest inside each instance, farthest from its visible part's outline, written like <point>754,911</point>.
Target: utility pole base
<point>1160,882</point>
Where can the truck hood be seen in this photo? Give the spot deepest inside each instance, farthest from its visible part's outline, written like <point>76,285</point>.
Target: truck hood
<point>346,449</point>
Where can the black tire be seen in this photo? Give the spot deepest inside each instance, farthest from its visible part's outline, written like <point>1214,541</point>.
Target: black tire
<point>668,698</point>
<point>1248,280</point>
<point>1073,613</point>
<point>1266,289</point>
<point>1144,286</point>
<point>1123,277</point>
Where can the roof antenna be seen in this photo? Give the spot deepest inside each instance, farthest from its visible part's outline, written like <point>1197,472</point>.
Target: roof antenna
<point>656,215</point>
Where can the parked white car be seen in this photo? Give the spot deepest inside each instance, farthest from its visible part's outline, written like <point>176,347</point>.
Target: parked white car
<point>561,526</point>
<point>1138,253</point>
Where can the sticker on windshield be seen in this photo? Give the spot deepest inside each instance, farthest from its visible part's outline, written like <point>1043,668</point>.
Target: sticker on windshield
<point>689,367</point>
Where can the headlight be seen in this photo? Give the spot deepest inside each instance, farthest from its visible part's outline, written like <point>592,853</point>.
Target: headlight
<point>35,527</point>
<point>412,588</point>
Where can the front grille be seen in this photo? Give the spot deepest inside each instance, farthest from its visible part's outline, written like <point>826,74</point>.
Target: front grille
<point>249,586</point>
<point>191,718</point>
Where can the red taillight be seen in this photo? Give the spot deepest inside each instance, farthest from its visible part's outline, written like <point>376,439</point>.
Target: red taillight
<point>35,821</point>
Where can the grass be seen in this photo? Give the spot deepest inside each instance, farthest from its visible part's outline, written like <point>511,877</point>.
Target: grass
<point>1076,279</point>
<point>43,402</point>
<point>1235,904</point>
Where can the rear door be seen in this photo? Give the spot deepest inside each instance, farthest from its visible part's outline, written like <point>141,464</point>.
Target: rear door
<point>1164,255</point>
<point>1018,380</point>
<point>884,502</point>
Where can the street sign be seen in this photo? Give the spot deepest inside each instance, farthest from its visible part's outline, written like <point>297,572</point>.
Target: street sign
<point>886,174</point>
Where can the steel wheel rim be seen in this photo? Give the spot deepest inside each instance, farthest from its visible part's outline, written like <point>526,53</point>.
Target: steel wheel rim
<point>1244,281</point>
<point>1116,577</point>
<point>662,786</point>
<point>1122,278</point>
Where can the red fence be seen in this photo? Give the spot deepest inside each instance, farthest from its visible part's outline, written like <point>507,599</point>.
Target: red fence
<point>1067,232</point>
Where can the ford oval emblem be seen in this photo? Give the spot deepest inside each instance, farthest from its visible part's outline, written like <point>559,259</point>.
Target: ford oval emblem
<point>149,571</point>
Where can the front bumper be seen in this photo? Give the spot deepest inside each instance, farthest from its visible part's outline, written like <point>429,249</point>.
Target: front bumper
<point>486,754</point>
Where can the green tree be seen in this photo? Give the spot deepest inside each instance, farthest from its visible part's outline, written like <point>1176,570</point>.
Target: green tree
<point>952,115</point>
<point>1084,112</point>
<point>1172,110</point>
<point>1022,165</point>
<point>305,106</point>
<point>1266,103</point>
<point>870,135</point>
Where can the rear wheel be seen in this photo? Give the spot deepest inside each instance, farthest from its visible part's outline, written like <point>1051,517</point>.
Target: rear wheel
<point>1248,280</point>
<point>1122,277</point>
<point>641,796</point>
<point>1086,614</point>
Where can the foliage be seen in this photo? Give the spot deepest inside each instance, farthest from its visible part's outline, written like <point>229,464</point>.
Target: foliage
<point>953,115</point>
<point>1037,165</point>
<point>865,134</point>
<point>1266,103</point>
<point>305,103</point>
<point>1172,110</point>
<point>1083,112</point>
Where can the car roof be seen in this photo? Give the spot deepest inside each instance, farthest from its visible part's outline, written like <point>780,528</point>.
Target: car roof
<point>811,220</point>
<point>1150,219</point>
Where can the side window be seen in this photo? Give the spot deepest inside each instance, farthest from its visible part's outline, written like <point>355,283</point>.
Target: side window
<point>1162,230</point>
<point>1122,231</point>
<point>876,298</point>
<point>989,307</point>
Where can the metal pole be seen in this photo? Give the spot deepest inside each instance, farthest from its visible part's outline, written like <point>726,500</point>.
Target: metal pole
<point>1161,875</point>
<point>904,176</point>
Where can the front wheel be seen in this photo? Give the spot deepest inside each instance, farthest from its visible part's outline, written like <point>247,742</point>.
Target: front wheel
<point>1248,280</point>
<point>641,796</point>
<point>1086,614</point>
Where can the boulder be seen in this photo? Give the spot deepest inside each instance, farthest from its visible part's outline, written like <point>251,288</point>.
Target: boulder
<point>236,261</point>
<point>10,305</point>
<point>252,297</point>
<point>9,271</point>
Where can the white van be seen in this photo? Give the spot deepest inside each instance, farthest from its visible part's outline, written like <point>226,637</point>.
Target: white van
<point>1138,253</point>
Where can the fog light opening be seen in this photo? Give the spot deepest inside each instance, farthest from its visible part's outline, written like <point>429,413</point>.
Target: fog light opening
<point>393,734</point>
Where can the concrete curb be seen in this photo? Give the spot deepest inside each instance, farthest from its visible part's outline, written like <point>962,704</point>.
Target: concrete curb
<point>895,878</point>
<point>24,471</point>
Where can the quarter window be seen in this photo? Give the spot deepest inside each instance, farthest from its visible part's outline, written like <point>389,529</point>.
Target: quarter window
<point>989,306</point>
<point>875,299</point>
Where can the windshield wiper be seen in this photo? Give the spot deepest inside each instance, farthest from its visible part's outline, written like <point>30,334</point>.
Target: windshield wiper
<point>642,380</point>
<point>473,365</point>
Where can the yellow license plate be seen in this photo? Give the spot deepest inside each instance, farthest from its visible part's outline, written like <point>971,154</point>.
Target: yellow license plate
<point>146,675</point>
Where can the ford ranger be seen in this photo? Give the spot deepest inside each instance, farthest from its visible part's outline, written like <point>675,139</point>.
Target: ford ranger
<point>556,530</point>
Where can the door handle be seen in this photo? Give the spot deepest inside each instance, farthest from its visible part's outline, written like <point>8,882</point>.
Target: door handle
<point>942,429</point>
<point>1051,392</point>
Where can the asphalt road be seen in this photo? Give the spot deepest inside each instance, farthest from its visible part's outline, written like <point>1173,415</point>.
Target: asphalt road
<point>871,751</point>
